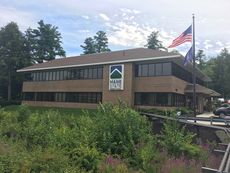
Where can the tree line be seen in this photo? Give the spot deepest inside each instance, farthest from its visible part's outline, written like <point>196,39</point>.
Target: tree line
<point>44,43</point>
<point>18,50</point>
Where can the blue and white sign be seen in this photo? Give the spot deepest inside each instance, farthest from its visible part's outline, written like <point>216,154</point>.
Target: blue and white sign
<point>116,77</point>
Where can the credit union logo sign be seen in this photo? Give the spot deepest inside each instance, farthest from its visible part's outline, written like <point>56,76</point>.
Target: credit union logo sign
<point>116,77</point>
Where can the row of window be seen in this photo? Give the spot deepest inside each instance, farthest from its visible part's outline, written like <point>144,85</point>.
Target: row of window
<point>164,69</point>
<point>68,74</point>
<point>184,74</point>
<point>159,99</point>
<point>78,97</point>
<point>141,70</point>
<point>159,69</point>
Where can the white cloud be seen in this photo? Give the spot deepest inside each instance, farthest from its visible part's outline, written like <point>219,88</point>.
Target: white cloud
<point>207,46</point>
<point>104,17</point>
<point>126,10</point>
<point>85,17</point>
<point>219,43</point>
<point>22,18</point>
<point>140,18</point>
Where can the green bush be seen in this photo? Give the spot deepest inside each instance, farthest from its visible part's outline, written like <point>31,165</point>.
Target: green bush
<point>122,131</point>
<point>179,142</point>
<point>86,158</point>
<point>50,141</point>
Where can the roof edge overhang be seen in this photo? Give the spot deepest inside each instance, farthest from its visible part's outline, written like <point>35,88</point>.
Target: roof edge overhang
<point>201,90</point>
<point>99,63</point>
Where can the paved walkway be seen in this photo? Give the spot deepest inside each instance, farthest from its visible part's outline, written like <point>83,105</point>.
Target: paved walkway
<point>209,115</point>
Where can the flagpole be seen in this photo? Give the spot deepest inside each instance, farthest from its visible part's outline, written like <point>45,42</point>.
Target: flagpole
<point>194,66</point>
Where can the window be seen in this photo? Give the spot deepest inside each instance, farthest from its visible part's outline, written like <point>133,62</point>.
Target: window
<point>81,74</point>
<point>151,69</point>
<point>78,97</point>
<point>65,75</point>
<point>50,75</point>
<point>46,76</point>
<point>139,70</point>
<point>29,96</point>
<point>36,77</point>
<point>53,75</point>
<point>95,73</point>
<point>100,73</point>
<point>167,69</point>
<point>86,71</point>
<point>68,74</point>
<point>159,99</point>
<point>144,70</point>
<point>57,75</point>
<point>158,69</point>
<point>90,73</point>
<point>61,77</point>
<point>40,76</point>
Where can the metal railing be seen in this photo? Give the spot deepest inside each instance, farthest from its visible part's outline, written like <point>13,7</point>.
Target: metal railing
<point>188,120</point>
<point>225,163</point>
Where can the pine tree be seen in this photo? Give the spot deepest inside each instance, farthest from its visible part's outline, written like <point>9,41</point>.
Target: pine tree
<point>200,59</point>
<point>154,43</point>
<point>101,41</point>
<point>13,55</point>
<point>45,42</point>
<point>89,47</point>
<point>97,44</point>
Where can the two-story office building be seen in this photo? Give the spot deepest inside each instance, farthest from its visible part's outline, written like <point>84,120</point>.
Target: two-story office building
<point>143,78</point>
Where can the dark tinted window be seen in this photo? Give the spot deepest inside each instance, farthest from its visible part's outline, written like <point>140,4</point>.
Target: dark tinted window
<point>144,70</point>
<point>151,69</point>
<point>167,69</point>
<point>158,69</point>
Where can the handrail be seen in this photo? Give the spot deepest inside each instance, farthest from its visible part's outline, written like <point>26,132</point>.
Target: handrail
<point>225,163</point>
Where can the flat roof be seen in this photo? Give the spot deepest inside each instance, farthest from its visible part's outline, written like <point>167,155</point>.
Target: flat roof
<point>114,57</point>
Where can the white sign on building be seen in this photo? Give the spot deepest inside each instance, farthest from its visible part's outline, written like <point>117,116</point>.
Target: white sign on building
<point>116,77</point>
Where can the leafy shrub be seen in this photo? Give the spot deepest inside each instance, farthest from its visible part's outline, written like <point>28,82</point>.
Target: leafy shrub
<point>113,139</point>
<point>86,158</point>
<point>122,131</point>
<point>178,142</point>
<point>119,129</point>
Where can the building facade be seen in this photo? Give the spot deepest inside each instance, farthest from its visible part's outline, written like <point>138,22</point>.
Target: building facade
<point>143,78</point>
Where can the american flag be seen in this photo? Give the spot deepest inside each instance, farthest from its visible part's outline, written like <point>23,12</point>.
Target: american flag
<point>186,36</point>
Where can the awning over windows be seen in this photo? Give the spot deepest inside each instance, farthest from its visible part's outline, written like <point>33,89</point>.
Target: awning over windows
<point>201,90</point>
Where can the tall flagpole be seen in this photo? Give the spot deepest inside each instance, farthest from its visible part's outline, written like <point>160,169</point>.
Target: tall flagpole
<point>194,65</point>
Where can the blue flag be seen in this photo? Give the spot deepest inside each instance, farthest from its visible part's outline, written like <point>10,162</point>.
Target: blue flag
<point>188,57</point>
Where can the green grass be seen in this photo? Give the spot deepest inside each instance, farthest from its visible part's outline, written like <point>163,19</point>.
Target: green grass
<point>62,111</point>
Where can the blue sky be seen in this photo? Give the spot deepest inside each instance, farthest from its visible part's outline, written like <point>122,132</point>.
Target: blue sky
<point>127,23</point>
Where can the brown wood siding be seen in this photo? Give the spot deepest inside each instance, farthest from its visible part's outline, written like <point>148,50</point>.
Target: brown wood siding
<point>159,84</point>
<point>92,85</point>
